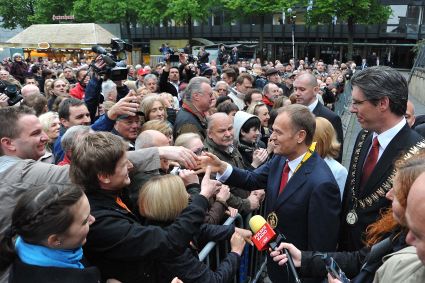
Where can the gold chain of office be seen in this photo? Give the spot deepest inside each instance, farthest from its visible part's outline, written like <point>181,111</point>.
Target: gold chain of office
<point>387,185</point>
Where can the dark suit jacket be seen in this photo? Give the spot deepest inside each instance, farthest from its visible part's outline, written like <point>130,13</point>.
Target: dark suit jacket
<point>321,111</point>
<point>308,209</point>
<point>351,238</point>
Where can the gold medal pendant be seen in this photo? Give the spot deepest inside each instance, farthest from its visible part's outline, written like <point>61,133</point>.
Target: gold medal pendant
<point>351,217</point>
<point>272,219</point>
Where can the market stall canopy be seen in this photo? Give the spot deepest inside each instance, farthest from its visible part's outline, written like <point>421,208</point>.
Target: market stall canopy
<point>61,36</point>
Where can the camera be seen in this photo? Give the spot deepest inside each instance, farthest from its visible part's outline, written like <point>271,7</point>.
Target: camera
<point>11,91</point>
<point>176,171</point>
<point>116,68</point>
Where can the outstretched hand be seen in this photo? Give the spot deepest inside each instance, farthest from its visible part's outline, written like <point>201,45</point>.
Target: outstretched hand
<point>211,160</point>
<point>209,187</point>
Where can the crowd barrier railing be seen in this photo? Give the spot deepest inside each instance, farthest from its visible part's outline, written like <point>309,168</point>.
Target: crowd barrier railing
<point>253,263</point>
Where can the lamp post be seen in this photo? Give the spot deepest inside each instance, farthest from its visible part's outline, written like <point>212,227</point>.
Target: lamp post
<point>292,18</point>
<point>309,9</point>
<point>334,19</point>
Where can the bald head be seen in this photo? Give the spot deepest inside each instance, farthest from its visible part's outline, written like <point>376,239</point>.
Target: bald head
<point>218,118</point>
<point>220,129</point>
<point>151,138</point>
<point>415,216</point>
<point>308,79</point>
<point>30,90</point>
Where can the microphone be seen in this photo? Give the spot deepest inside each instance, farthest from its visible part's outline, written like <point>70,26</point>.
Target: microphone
<point>265,237</point>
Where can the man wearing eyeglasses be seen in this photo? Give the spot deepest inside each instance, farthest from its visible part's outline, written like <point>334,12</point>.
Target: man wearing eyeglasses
<point>379,100</point>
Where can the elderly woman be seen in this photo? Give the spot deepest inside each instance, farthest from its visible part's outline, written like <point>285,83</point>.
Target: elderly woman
<point>328,148</point>
<point>151,83</point>
<point>51,126</point>
<point>161,200</point>
<point>50,224</point>
<point>383,237</point>
<point>19,68</point>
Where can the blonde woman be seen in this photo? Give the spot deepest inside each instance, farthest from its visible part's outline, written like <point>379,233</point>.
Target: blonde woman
<point>160,126</point>
<point>161,200</point>
<point>154,108</point>
<point>51,126</point>
<point>328,148</point>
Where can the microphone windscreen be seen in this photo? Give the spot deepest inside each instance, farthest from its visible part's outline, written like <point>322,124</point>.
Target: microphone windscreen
<point>256,222</point>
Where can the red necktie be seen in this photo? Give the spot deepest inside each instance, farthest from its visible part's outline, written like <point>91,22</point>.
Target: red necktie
<point>285,175</point>
<point>370,162</point>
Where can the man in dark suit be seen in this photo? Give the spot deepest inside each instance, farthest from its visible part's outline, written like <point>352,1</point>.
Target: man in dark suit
<point>306,89</point>
<point>379,100</point>
<point>301,192</point>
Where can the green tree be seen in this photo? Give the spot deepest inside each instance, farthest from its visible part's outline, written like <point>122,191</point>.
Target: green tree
<point>108,11</point>
<point>16,13</point>
<point>45,9</point>
<point>350,11</point>
<point>245,8</point>
<point>186,11</point>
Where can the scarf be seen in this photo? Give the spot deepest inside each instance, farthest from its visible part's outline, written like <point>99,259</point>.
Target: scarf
<point>43,256</point>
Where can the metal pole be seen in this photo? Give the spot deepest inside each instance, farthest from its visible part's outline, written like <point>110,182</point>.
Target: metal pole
<point>293,38</point>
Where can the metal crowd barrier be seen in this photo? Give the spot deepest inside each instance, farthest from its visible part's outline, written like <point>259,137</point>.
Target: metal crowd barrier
<point>253,263</point>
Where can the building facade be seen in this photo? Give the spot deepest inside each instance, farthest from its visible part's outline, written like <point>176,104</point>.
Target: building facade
<point>392,41</point>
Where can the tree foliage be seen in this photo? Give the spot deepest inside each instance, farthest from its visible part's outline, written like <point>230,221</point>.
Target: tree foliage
<point>351,12</point>
<point>45,9</point>
<point>16,13</point>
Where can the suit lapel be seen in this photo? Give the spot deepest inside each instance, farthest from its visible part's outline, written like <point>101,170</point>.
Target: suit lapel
<point>275,183</point>
<point>385,163</point>
<point>295,182</point>
<point>362,158</point>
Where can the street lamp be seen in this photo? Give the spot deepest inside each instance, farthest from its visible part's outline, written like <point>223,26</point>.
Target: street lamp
<point>309,10</point>
<point>292,18</point>
<point>334,19</point>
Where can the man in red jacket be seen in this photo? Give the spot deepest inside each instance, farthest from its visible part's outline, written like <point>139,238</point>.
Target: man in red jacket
<point>79,90</point>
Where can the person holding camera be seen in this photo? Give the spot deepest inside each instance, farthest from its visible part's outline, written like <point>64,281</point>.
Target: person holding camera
<point>172,76</point>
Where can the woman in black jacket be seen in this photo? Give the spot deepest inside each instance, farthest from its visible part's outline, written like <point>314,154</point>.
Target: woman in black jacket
<point>118,244</point>
<point>161,200</point>
<point>383,237</point>
<point>51,224</point>
<point>19,68</point>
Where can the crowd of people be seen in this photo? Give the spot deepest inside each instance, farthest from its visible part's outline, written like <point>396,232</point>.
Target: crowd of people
<point>125,180</point>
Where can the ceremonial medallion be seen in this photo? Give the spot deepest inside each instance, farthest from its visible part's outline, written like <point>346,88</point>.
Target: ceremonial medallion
<point>351,217</point>
<point>272,219</point>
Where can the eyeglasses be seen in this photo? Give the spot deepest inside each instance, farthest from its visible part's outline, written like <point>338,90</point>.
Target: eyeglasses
<point>200,150</point>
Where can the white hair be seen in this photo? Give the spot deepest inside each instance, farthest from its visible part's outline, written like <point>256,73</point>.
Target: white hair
<point>107,87</point>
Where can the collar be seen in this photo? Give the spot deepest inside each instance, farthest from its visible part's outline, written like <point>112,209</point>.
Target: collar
<point>189,107</point>
<point>293,164</point>
<point>7,161</point>
<point>386,137</point>
<point>313,105</point>
<point>229,150</point>
<point>267,101</point>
